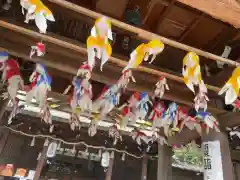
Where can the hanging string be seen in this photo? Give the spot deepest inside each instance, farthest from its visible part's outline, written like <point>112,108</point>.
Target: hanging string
<point>71,143</point>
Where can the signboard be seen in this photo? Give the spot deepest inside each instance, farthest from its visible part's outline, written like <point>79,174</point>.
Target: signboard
<point>212,161</point>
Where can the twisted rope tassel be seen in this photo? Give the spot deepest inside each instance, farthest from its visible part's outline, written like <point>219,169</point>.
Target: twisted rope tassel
<point>115,134</point>
<point>45,113</point>
<point>74,122</point>
<point>15,110</point>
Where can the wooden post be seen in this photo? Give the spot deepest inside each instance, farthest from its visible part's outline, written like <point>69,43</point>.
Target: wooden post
<point>164,171</point>
<point>144,167</point>
<point>227,166</point>
<point>110,167</point>
<point>236,167</point>
<point>4,133</point>
<point>41,163</point>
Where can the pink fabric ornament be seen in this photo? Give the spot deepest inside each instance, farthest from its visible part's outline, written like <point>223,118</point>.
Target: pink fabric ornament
<point>236,105</point>
<point>39,88</point>
<point>125,79</point>
<point>201,99</point>
<point>108,99</point>
<point>12,75</point>
<point>38,49</point>
<point>157,114</point>
<point>161,87</point>
<point>137,107</point>
<point>140,137</point>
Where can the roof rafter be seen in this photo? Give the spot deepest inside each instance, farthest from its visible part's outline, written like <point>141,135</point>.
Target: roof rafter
<point>143,33</point>
<point>118,62</point>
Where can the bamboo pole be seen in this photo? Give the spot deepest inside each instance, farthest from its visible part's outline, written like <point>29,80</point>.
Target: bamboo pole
<point>143,33</point>
<point>83,50</point>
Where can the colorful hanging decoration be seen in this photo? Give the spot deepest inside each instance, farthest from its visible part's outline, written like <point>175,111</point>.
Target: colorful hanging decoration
<point>74,122</point>
<point>98,40</point>
<point>141,139</point>
<point>115,134</point>
<point>137,108</point>
<point>108,99</point>
<point>192,76</point>
<point>170,118</point>
<point>82,93</point>
<point>236,105</point>
<point>37,11</point>
<point>231,87</point>
<point>81,98</point>
<point>38,49</point>
<point>161,87</point>
<point>143,52</point>
<point>39,88</point>
<point>208,121</point>
<point>92,129</point>
<point>201,100</point>
<point>157,114</point>
<point>12,75</point>
<point>189,121</point>
<point>125,79</point>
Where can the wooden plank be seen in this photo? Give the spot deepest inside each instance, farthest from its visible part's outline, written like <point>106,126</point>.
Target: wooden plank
<point>144,34</point>
<point>83,50</point>
<point>164,13</point>
<point>191,27</point>
<point>225,10</point>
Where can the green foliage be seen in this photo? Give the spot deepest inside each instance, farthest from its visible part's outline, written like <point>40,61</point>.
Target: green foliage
<point>189,155</point>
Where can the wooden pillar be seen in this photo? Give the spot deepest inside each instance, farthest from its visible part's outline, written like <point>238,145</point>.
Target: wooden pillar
<point>164,171</point>
<point>110,167</point>
<point>144,167</point>
<point>226,162</point>
<point>4,133</point>
<point>236,169</point>
<point>41,163</point>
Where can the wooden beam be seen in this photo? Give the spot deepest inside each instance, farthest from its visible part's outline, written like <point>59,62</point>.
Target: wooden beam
<point>83,50</point>
<point>95,76</point>
<point>191,27</point>
<point>145,34</point>
<point>151,5</point>
<point>178,93</point>
<point>164,13</point>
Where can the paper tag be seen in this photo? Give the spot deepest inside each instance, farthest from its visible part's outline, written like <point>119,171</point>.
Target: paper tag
<point>225,54</point>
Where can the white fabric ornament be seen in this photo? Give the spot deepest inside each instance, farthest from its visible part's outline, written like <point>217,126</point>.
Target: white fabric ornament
<point>46,143</point>
<point>32,142</point>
